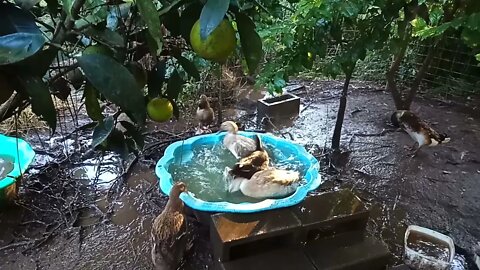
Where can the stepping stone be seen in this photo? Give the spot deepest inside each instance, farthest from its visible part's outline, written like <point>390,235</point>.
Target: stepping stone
<point>338,217</point>
<point>369,254</point>
<point>235,236</point>
<point>280,259</point>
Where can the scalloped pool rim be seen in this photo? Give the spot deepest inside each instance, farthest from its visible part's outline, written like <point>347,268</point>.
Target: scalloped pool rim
<point>166,181</point>
<point>23,158</point>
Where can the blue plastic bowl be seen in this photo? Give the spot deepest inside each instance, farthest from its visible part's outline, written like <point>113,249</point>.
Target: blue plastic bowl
<point>20,153</point>
<point>183,150</point>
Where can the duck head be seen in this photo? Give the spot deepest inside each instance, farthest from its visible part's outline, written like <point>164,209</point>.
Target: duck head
<point>229,126</point>
<point>396,116</point>
<point>177,189</point>
<point>174,202</point>
<point>203,102</point>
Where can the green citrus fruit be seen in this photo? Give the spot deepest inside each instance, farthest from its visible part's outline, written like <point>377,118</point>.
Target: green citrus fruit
<point>139,73</point>
<point>218,45</point>
<point>6,90</point>
<point>160,109</point>
<point>98,48</point>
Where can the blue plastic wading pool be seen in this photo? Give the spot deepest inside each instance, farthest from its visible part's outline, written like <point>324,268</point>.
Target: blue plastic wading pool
<point>20,153</point>
<point>183,150</point>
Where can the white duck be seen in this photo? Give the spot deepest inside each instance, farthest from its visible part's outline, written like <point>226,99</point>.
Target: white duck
<point>239,146</point>
<point>268,183</point>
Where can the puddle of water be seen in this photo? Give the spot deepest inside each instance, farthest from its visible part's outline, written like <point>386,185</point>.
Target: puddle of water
<point>6,166</point>
<point>99,172</point>
<point>203,175</point>
<point>427,246</point>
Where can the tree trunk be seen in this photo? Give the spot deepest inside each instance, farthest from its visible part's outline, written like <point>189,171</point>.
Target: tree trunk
<point>337,133</point>
<point>395,66</point>
<point>420,75</point>
<point>392,72</point>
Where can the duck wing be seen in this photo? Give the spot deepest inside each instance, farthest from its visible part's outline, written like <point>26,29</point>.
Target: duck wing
<point>244,146</point>
<point>270,183</point>
<point>411,122</point>
<point>251,164</point>
<point>169,237</point>
<point>434,137</point>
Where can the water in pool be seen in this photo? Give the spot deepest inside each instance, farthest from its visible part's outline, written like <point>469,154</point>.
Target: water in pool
<point>6,166</point>
<point>203,174</point>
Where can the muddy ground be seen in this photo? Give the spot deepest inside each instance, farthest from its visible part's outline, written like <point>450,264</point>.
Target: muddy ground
<point>65,221</point>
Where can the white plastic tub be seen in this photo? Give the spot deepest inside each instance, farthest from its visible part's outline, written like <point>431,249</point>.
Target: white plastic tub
<point>416,259</point>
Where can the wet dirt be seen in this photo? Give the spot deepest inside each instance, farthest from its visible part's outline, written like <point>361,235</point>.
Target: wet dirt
<point>437,189</point>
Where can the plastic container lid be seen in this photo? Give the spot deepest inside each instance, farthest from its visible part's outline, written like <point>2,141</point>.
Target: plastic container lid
<point>20,152</point>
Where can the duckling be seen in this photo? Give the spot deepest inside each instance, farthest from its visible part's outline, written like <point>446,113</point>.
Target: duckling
<point>418,130</point>
<point>169,232</point>
<point>205,114</point>
<point>268,183</point>
<point>239,146</point>
<point>256,161</point>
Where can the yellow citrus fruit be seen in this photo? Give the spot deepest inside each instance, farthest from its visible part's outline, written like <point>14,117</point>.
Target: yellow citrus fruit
<point>98,48</point>
<point>310,56</point>
<point>160,109</point>
<point>218,45</point>
<point>139,73</point>
<point>6,90</point>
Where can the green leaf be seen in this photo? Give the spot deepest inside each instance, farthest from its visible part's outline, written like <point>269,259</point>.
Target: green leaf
<point>133,132</point>
<point>212,14</point>
<point>39,63</point>
<point>20,37</point>
<point>188,18</point>
<point>438,30</point>
<point>156,78</point>
<point>349,9</point>
<point>106,36</point>
<point>67,6</point>
<point>115,82</point>
<point>91,103</point>
<point>41,100</point>
<point>61,88</point>
<point>174,86</point>
<point>250,41</point>
<point>436,14</point>
<point>418,24</point>
<point>102,131</point>
<point>189,67</point>
<point>477,56</point>
<point>116,142</point>
<point>150,16</point>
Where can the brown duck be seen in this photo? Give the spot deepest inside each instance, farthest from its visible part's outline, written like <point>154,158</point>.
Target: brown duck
<point>418,130</point>
<point>205,114</point>
<point>258,160</point>
<point>169,232</point>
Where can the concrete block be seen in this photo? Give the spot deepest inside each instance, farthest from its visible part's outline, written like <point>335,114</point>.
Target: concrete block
<point>283,106</point>
<point>338,214</point>
<point>236,236</point>
<point>369,254</point>
<point>280,259</point>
